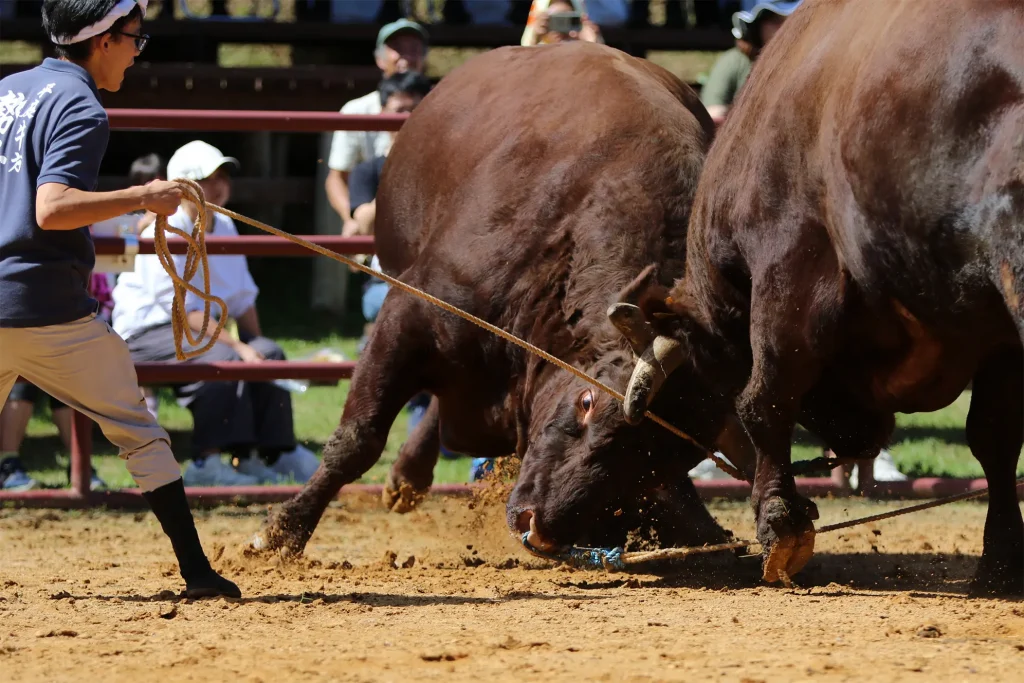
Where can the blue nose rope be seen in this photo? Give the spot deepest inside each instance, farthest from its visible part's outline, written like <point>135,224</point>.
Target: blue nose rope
<point>609,559</point>
<point>615,559</point>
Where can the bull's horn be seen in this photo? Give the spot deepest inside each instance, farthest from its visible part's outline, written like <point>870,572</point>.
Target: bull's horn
<point>663,356</point>
<point>630,321</point>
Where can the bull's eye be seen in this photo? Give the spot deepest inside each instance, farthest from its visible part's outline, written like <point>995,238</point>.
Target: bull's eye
<point>586,402</point>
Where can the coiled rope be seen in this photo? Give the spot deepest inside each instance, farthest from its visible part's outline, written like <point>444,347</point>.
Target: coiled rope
<point>196,255</point>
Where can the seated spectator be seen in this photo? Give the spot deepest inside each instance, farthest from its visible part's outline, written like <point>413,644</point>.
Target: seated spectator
<point>401,47</point>
<point>538,32</point>
<point>752,31</point>
<point>399,94</point>
<point>228,417</point>
<point>14,420</point>
<point>143,170</point>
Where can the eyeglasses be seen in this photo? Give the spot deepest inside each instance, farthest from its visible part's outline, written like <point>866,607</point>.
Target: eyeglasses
<point>140,40</point>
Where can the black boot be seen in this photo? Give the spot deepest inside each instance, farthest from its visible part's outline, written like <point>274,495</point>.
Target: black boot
<point>171,507</point>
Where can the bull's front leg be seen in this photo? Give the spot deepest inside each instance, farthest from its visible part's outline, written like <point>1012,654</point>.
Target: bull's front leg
<point>769,407</point>
<point>413,472</point>
<point>387,376</point>
<point>995,432</point>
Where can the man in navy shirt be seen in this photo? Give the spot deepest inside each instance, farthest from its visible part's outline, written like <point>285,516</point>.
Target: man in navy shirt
<point>53,134</point>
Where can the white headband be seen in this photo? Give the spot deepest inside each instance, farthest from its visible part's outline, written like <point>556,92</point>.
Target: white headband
<point>121,9</point>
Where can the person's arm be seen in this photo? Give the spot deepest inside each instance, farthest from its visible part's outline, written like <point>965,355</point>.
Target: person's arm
<point>363,193</point>
<point>364,216</point>
<point>591,32</point>
<point>336,187</point>
<point>69,170</point>
<point>343,157</point>
<point>249,323</point>
<point>59,207</point>
<point>719,90</point>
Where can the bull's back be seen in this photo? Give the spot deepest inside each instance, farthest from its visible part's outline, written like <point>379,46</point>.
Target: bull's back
<point>497,158</point>
<point>877,120</point>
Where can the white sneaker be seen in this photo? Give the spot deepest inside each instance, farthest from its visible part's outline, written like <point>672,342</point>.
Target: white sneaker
<point>885,468</point>
<point>255,467</point>
<point>299,464</point>
<point>213,471</point>
<point>707,469</point>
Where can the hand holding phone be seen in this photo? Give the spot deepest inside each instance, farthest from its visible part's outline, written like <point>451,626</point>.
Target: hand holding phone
<point>565,22</point>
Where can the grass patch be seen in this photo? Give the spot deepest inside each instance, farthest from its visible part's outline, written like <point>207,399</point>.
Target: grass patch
<point>19,52</point>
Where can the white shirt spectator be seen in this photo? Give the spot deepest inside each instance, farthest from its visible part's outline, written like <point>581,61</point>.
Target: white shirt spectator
<point>143,297</point>
<point>349,147</point>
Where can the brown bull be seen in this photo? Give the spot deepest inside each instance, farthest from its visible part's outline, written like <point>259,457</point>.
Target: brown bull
<point>528,188</point>
<point>856,249</point>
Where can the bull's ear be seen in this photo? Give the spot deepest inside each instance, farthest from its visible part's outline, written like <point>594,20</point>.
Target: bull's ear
<point>630,321</point>
<point>638,288</point>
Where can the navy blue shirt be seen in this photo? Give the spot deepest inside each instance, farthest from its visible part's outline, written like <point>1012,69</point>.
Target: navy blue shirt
<point>364,181</point>
<point>53,129</point>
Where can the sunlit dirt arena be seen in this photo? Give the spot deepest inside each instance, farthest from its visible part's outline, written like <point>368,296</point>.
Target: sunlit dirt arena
<point>444,593</point>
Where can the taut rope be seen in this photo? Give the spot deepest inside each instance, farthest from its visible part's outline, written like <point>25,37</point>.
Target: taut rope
<point>197,254</point>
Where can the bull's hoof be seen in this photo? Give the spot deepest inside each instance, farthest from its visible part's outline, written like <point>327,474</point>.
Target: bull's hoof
<point>998,578</point>
<point>278,536</point>
<point>787,535</point>
<point>405,499</point>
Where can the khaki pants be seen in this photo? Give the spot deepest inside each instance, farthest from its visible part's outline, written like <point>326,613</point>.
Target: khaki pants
<point>86,365</point>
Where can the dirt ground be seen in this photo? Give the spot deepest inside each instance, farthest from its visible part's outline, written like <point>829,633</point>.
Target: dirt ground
<point>86,596</point>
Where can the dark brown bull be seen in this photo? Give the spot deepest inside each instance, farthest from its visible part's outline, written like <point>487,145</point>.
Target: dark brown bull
<point>856,249</point>
<point>528,188</point>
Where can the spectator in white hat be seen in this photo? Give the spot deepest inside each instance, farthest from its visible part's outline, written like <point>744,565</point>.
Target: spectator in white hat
<point>250,421</point>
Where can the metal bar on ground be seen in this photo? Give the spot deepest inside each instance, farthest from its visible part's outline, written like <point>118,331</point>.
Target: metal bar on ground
<point>250,120</point>
<point>248,245</point>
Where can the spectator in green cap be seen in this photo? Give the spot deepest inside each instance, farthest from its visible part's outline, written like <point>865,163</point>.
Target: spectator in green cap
<point>401,47</point>
<point>752,30</point>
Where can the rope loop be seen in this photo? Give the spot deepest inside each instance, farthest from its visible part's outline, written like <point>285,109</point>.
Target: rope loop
<point>195,257</point>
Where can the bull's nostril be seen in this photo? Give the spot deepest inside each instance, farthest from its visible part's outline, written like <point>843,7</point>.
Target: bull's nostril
<point>523,521</point>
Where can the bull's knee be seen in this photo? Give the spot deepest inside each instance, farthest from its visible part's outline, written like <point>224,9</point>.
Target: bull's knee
<point>353,449</point>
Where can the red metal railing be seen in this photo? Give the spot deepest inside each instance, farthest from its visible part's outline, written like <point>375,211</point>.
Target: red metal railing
<point>79,494</point>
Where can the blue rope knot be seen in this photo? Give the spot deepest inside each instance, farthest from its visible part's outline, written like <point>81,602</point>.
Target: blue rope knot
<point>609,559</point>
